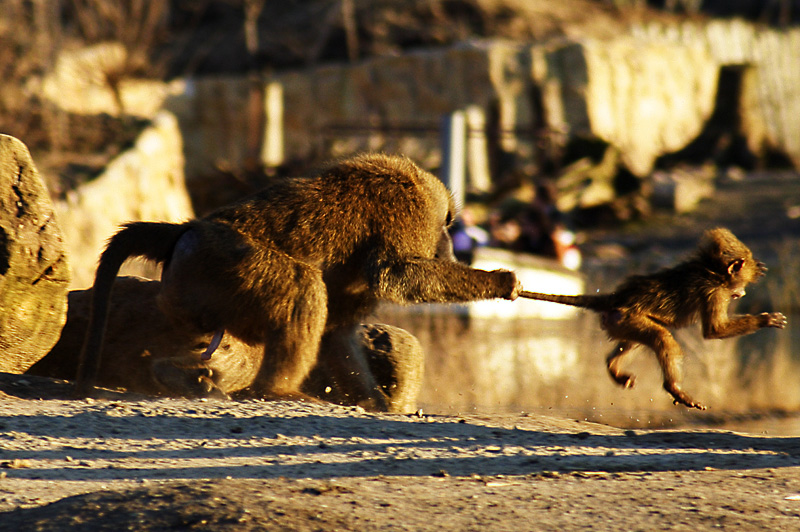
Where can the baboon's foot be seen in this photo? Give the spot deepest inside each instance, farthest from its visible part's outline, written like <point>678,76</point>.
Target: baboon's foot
<point>186,380</point>
<point>625,380</point>
<point>82,391</point>
<point>208,389</point>
<point>681,397</point>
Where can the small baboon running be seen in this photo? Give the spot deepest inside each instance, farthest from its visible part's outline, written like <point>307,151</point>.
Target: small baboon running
<point>642,309</point>
<point>299,265</point>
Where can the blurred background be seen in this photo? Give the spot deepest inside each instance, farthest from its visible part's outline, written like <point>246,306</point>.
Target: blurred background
<point>584,140</point>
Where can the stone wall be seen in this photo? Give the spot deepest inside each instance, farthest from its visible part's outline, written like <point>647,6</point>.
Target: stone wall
<point>79,83</point>
<point>648,93</point>
<point>648,99</point>
<point>770,101</point>
<point>212,116</point>
<point>146,182</point>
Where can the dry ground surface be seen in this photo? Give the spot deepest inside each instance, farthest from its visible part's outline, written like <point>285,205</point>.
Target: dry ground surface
<point>124,463</point>
<point>128,463</point>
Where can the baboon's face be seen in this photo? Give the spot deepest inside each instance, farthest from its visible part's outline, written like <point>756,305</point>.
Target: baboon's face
<point>742,272</point>
<point>740,267</point>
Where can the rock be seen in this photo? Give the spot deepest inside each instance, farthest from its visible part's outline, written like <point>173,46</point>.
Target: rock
<point>587,184</point>
<point>682,190</point>
<point>145,353</point>
<point>768,61</point>
<point>651,92</point>
<point>648,99</point>
<point>146,182</point>
<point>96,79</point>
<point>34,271</point>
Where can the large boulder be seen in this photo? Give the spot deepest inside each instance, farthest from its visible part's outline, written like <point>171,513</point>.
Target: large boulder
<point>34,273</point>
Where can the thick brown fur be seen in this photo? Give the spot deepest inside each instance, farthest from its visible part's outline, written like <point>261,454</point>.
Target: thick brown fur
<point>644,307</point>
<point>299,264</point>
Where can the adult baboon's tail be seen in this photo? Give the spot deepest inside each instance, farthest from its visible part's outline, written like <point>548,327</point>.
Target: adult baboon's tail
<point>137,239</point>
<point>591,302</point>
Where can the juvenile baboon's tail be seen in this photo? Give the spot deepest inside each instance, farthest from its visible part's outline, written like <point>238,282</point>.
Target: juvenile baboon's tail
<point>152,240</point>
<point>590,302</point>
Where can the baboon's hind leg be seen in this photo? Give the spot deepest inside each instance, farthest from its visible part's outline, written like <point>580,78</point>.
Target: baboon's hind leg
<point>292,335</point>
<point>670,357</point>
<point>613,361</point>
<point>643,330</point>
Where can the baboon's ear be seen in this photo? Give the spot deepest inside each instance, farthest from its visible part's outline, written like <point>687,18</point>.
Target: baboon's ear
<point>735,266</point>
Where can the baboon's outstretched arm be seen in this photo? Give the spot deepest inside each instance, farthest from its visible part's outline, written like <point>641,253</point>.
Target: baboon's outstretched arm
<point>717,324</point>
<point>437,281</point>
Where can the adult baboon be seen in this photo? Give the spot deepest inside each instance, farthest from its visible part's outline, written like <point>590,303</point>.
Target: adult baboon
<point>300,263</point>
<point>644,307</point>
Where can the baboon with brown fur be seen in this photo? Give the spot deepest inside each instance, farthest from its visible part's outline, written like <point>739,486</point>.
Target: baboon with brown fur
<point>644,307</point>
<point>300,264</point>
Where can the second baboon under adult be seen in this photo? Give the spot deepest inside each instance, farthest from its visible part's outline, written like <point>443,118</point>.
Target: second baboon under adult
<point>644,307</point>
<point>303,259</point>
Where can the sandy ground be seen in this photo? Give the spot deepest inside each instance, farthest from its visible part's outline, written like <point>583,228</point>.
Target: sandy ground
<point>128,463</point>
<point>122,463</point>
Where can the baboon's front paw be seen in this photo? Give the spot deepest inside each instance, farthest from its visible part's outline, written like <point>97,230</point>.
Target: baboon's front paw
<point>375,404</point>
<point>514,284</point>
<point>774,319</point>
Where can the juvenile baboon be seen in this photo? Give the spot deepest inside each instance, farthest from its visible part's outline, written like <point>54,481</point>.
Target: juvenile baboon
<point>299,264</point>
<point>644,307</point>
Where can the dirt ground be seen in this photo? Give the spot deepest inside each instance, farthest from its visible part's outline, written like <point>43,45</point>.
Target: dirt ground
<point>123,463</point>
<point>127,463</point>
